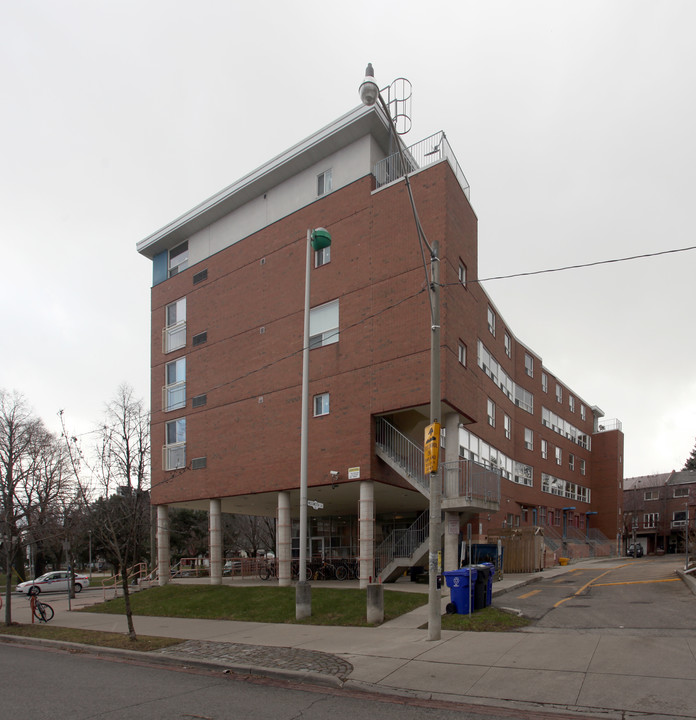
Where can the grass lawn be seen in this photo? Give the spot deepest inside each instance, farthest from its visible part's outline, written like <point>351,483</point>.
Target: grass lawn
<point>488,619</point>
<point>261,604</point>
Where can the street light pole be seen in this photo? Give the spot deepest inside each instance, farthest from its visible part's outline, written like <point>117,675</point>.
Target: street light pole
<point>370,94</point>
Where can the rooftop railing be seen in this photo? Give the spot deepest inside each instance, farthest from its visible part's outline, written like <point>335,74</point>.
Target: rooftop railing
<point>427,152</point>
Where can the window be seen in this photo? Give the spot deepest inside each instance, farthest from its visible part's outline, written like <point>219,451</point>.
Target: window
<point>324,182</point>
<point>544,449</point>
<point>524,475</point>
<point>323,256</point>
<point>559,456</point>
<point>323,325</point>
<point>508,426</point>
<point>559,393</point>
<point>462,273</point>
<point>651,495</point>
<point>491,412</point>
<point>571,461</point>
<point>681,492</point>
<point>582,411</point>
<point>321,404</point>
<point>650,520</point>
<point>175,385</point>
<point>582,467</point>
<point>491,320</point>
<point>174,334</point>
<point>529,365</point>
<point>528,439</point>
<point>175,444</point>
<point>524,399</point>
<point>508,345</point>
<point>462,353</point>
<point>544,382</point>
<point>679,518</point>
<point>571,403</point>
<point>178,259</point>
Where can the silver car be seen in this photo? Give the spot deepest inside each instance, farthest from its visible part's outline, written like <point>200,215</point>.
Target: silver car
<point>56,581</point>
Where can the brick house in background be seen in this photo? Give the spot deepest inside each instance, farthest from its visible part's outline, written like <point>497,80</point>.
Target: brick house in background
<point>521,448</point>
<point>657,509</point>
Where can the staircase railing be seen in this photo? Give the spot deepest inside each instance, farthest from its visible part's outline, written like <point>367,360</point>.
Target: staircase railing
<point>403,451</point>
<point>402,543</point>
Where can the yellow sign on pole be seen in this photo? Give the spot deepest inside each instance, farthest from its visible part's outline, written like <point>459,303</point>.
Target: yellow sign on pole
<point>431,449</point>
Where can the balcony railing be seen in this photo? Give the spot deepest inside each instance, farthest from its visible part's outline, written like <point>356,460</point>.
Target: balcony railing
<point>174,337</point>
<point>424,153</point>
<point>607,425</point>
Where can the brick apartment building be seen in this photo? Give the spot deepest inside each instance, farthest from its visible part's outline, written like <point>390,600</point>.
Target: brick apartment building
<point>520,447</point>
<point>658,509</point>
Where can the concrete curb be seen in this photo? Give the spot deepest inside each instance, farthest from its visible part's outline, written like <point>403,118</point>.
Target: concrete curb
<point>688,580</point>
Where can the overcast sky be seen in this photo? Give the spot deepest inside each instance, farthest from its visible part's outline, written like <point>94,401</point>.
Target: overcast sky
<point>574,122</point>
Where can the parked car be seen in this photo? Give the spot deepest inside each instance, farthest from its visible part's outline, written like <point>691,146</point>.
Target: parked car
<point>635,550</point>
<point>56,581</point>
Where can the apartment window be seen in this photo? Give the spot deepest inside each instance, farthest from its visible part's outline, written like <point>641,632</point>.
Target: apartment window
<point>571,461</point>
<point>175,385</point>
<point>650,520</point>
<point>528,439</point>
<point>174,334</point>
<point>508,345</point>
<point>178,259</point>
<point>582,467</point>
<point>462,273</point>
<point>462,353</point>
<point>323,325</point>
<point>321,404</point>
<point>175,444</point>
<point>491,412</point>
<point>544,382</point>
<point>582,411</point>
<point>529,365</point>
<point>544,449</point>
<point>559,393</point>
<point>651,495</point>
<point>491,321</point>
<point>679,518</point>
<point>559,456</point>
<point>571,403</point>
<point>324,182</point>
<point>681,492</point>
<point>508,426</point>
<point>323,256</point>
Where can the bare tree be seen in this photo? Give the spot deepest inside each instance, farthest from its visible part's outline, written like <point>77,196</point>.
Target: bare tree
<point>255,533</point>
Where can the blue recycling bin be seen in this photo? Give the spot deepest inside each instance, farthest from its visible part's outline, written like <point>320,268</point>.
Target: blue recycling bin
<point>460,582</point>
<point>489,588</point>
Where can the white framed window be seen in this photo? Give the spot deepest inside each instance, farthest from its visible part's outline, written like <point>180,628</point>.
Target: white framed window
<point>571,403</point>
<point>651,495</point>
<point>582,411</point>
<point>175,444</point>
<point>679,518</point>
<point>508,426</point>
<point>544,382</point>
<point>462,273</point>
<point>681,492</point>
<point>321,404</point>
<point>324,182</point>
<point>323,325</point>
<point>461,351</point>
<point>571,461</point>
<point>529,364</point>
<point>322,257</point>
<point>528,439</point>
<point>178,258</point>
<point>174,333</point>
<point>559,393</point>
<point>491,320</point>
<point>544,449</point>
<point>582,467</point>
<point>508,345</point>
<point>174,395</point>
<point>559,456</point>
<point>650,520</point>
<point>490,409</point>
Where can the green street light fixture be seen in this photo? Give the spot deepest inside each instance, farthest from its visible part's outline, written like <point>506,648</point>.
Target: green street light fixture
<point>316,240</point>
<point>370,95</point>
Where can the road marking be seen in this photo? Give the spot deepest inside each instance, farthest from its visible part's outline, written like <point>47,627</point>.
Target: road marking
<point>587,584</point>
<point>527,595</point>
<point>638,582</point>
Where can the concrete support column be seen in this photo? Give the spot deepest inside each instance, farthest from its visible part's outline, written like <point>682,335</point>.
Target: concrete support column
<point>215,540</point>
<point>366,520</point>
<point>451,559</point>
<point>452,520</point>
<point>163,563</point>
<point>284,540</point>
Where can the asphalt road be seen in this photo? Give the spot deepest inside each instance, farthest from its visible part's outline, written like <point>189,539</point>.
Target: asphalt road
<point>642,594</point>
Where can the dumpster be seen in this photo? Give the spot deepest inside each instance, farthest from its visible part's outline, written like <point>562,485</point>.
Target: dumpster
<point>489,589</point>
<point>458,581</point>
<point>483,573</point>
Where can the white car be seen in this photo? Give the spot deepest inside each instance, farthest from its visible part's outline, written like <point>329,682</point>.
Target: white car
<point>56,581</point>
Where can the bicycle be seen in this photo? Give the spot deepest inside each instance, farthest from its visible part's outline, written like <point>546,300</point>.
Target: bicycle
<point>348,569</point>
<point>269,570</point>
<point>42,611</point>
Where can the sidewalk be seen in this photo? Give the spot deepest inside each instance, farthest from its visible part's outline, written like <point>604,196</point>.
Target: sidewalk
<point>599,675</point>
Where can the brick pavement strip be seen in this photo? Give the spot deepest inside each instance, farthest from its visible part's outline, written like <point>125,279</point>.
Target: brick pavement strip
<point>279,658</point>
